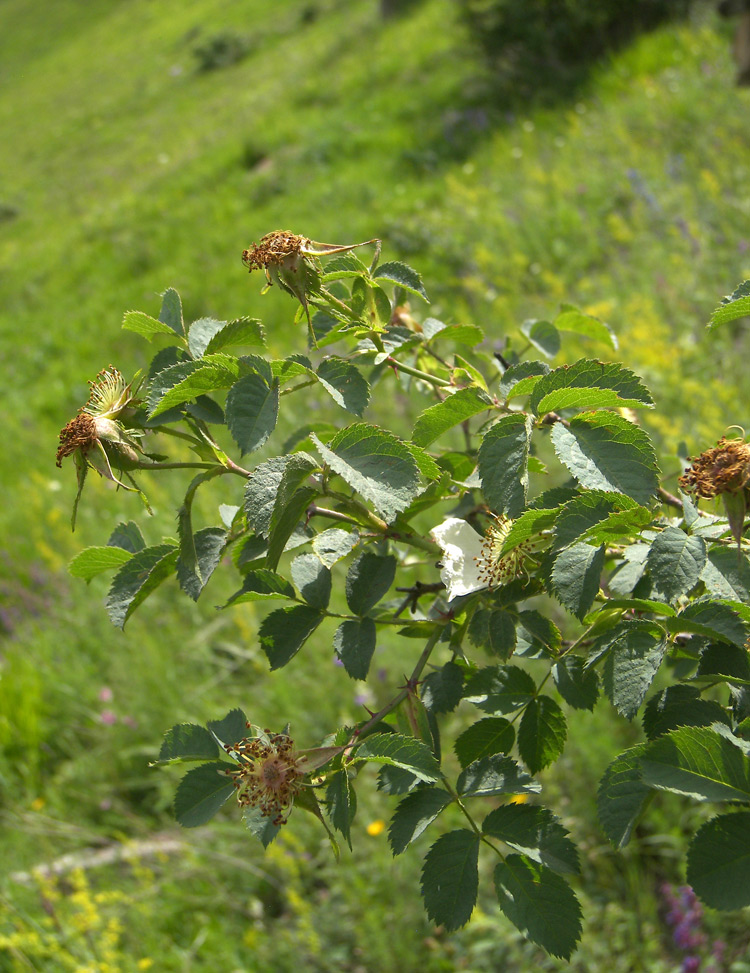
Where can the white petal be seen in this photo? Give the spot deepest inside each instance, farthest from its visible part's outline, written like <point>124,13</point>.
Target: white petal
<point>461,546</point>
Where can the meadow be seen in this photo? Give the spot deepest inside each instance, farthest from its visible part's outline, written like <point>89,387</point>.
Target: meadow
<point>145,146</point>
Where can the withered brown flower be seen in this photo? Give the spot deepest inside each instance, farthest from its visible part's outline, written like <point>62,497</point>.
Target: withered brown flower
<point>269,774</point>
<point>725,468</point>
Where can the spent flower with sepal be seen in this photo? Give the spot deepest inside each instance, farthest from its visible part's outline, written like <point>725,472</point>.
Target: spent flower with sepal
<point>96,437</point>
<point>722,471</point>
<point>290,260</point>
<point>269,774</point>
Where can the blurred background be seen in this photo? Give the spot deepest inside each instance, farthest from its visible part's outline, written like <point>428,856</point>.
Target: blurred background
<point>518,154</point>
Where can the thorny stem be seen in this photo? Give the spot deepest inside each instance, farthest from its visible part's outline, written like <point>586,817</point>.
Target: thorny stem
<point>401,696</point>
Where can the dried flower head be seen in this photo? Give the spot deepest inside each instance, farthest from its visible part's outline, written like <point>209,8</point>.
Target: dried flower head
<point>269,775</point>
<point>95,437</point>
<point>723,471</point>
<point>725,468</point>
<point>273,250</point>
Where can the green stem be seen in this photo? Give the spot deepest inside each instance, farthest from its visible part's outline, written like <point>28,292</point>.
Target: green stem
<point>315,511</point>
<point>296,388</point>
<point>177,466</point>
<point>417,373</point>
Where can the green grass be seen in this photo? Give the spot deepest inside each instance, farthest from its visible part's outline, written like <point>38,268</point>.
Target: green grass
<point>129,171</point>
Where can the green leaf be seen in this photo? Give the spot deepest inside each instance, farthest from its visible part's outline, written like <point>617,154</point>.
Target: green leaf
<point>404,752</point>
<point>143,324</point>
<point>520,379</point>
<point>458,407</point>
<point>201,793</point>
<point>208,544</point>
<point>136,579</point>
<point>252,409</point>
<point>604,451</point>
<point>290,503</point>
<point>498,774</point>
<point>633,659</point>
<point>345,384</point>
<point>187,380</point>
<point>341,801</point>
<point>260,493</point>
<point>676,561</point>
<point>529,524</point>
<point>578,686</point>
<point>571,319</point>
<point>729,661</point>
<point>187,741</point>
<point>462,334</point>
<point>543,336</point>
<point>260,826</point>
<point>442,689</point>
<point>542,733</point>
<point>575,577</point>
<point>677,706</point>
<point>622,796</point>
<point>450,878</point>
<point>402,275</point>
<point>369,578</point>
<point>171,311</point>
<point>535,832</point>
<point>262,585</point>
<point>414,814</point>
<point>375,464</point>
<point>230,728</point>
<point>354,644</point>
<point>93,560</point>
<point>128,536</point>
<point>589,384</point>
<point>698,762</point>
<point>727,575</point>
<point>589,517</point>
<point>500,689</point>
<point>334,544</point>
<point>736,305</point>
<point>537,634</point>
<point>715,619</point>
<point>503,457</point>
<point>540,903</point>
<point>718,861</point>
<point>200,334</point>
<point>425,463</point>
<point>283,633</point>
<point>242,331</point>
<point>485,738</point>
<point>313,580</point>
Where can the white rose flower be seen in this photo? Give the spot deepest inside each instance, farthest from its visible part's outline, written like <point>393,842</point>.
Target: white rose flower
<point>462,549</point>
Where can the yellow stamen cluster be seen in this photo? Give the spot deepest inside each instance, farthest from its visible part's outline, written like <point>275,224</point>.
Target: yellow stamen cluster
<point>725,468</point>
<point>268,776</point>
<point>495,568</point>
<point>273,249</point>
<point>109,394</point>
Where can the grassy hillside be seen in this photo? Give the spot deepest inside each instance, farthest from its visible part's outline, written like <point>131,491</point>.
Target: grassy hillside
<point>127,169</point>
